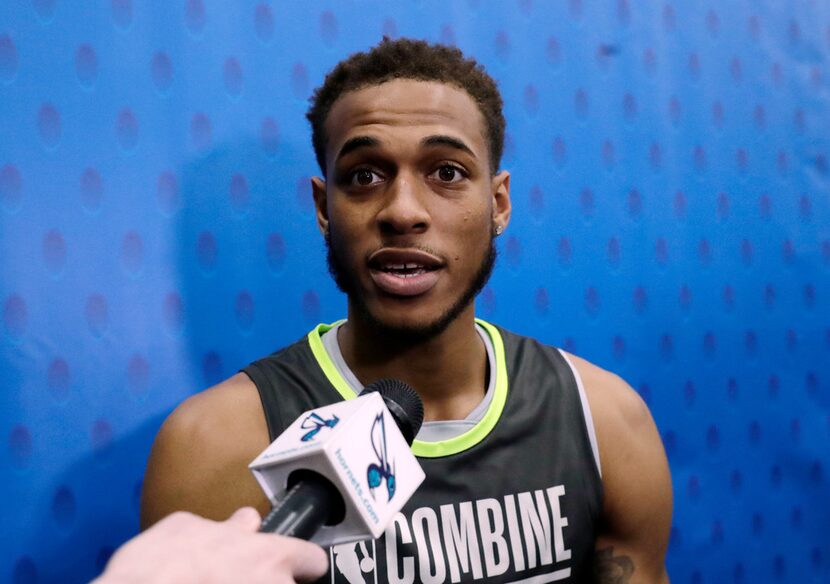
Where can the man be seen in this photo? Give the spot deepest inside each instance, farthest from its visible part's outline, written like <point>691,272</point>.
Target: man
<point>540,466</point>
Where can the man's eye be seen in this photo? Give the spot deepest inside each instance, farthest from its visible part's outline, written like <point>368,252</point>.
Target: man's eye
<point>448,173</point>
<point>364,177</point>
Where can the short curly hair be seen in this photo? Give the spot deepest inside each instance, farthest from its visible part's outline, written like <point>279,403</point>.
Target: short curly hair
<point>409,59</point>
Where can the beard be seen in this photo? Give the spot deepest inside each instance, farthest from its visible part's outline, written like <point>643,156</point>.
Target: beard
<point>409,334</point>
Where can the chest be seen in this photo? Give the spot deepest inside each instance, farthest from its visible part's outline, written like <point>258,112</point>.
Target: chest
<point>503,511</point>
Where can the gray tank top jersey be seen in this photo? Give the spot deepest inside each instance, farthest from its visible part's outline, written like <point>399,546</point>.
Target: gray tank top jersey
<point>515,499</point>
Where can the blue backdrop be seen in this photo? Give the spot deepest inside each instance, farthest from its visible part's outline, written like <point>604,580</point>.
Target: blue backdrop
<point>671,223</point>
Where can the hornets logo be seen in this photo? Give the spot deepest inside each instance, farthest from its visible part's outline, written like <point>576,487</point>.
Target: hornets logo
<point>314,423</point>
<point>376,474</point>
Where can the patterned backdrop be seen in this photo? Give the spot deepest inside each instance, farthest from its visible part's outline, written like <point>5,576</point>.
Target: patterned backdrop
<point>671,223</point>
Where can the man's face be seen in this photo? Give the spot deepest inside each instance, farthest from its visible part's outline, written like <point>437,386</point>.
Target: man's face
<point>409,204</point>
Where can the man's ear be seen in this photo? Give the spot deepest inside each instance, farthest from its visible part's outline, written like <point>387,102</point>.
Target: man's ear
<point>318,190</point>
<point>500,187</point>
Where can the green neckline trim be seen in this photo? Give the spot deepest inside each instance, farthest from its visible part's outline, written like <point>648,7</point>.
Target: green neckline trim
<point>420,448</point>
<point>326,364</point>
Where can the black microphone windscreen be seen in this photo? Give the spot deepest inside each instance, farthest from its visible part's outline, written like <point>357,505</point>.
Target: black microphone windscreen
<point>403,403</point>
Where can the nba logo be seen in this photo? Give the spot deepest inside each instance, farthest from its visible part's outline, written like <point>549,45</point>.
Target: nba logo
<point>354,563</point>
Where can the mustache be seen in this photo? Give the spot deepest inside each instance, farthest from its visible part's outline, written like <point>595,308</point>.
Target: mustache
<point>399,243</point>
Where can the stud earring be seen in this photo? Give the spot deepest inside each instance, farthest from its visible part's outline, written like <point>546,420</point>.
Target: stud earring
<point>499,229</point>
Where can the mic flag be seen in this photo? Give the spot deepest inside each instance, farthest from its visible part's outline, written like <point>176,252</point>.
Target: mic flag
<point>358,448</point>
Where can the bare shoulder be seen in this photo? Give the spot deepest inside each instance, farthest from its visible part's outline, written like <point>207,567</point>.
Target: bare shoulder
<point>199,459</point>
<point>637,504</point>
<point>622,421</point>
<point>615,406</point>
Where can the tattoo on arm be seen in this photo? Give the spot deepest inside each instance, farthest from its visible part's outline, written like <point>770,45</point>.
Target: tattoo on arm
<point>611,569</point>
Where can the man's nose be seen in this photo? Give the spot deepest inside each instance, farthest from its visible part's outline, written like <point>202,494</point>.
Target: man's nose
<point>404,209</point>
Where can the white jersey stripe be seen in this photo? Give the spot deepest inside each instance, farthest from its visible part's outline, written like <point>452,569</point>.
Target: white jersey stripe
<point>586,410</point>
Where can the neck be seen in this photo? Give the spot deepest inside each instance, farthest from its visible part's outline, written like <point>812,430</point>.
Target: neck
<point>448,371</point>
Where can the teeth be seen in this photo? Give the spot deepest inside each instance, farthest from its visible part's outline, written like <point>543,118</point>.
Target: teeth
<point>408,274</point>
<point>404,270</point>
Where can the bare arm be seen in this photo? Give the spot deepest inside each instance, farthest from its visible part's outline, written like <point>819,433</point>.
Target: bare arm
<point>637,508</point>
<point>199,460</point>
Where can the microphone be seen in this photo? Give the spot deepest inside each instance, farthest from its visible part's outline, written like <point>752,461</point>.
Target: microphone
<point>340,473</point>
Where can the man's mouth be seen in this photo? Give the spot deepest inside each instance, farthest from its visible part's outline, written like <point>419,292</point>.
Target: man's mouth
<point>404,272</point>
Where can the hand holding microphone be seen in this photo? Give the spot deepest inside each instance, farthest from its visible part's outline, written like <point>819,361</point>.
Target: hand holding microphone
<point>186,548</point>
<point>339,473</point>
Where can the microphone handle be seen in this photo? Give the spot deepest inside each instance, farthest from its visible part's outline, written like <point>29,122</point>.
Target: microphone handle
<point>303,510</point>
